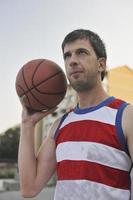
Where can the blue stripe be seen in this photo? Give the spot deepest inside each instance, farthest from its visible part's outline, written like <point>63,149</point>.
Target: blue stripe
<point>119,129</point>
<point>61,121</point>
<point>78,110</point>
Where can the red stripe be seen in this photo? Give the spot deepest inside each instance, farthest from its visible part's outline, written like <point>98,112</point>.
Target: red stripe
<point>84,170</point>
<point>91,131</point>
<point>115,104</point>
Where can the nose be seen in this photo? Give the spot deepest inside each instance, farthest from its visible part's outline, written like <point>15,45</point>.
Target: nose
<point>73,60</point>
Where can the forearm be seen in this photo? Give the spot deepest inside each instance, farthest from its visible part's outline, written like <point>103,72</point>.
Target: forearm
<point>26,158</point>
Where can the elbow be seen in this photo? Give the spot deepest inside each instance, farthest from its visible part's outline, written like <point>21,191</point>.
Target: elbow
<point>26,195</point>
<point>28,192</point>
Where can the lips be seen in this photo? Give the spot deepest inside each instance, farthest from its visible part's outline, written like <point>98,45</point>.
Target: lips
<point>75,72</point>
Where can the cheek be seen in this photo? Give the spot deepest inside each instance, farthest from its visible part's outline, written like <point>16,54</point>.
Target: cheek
<point>91,70</point>
<point>92,64</point>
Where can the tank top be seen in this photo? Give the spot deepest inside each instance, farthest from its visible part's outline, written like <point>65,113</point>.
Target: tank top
<point>93,162</point>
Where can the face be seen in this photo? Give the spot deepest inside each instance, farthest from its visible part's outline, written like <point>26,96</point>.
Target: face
<point>82,65</point>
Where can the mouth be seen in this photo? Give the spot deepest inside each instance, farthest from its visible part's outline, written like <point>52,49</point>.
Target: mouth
<point>76,72</point>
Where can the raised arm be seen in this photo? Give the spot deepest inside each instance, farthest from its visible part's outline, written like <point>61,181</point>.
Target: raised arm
<point>35,170</point>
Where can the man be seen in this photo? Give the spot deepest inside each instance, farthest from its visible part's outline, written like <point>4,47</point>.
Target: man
<point>91,147</point>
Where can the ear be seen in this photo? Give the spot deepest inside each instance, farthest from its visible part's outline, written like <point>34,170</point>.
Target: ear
<point>102,64</point>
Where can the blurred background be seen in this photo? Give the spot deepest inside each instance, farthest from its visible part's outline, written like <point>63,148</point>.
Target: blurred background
<point>33,29</point>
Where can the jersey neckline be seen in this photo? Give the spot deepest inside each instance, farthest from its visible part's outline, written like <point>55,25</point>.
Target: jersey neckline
<point>78,110</point>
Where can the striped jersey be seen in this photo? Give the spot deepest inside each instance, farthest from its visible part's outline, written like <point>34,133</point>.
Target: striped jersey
<point>92,155</point>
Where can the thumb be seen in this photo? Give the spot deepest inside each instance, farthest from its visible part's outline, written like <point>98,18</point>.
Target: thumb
<point>50,111</point>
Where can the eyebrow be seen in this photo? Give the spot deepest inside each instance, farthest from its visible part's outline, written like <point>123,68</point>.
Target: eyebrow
<point>83,49</point>
<point>80,48</point>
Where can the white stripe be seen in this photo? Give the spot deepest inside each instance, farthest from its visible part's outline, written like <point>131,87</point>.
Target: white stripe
<point>104,114</point>
<point>87,190</point>
<point>94,152</point>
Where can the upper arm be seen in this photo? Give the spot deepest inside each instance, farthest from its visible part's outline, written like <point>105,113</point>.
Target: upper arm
<point>46,158</point>
<point>127,124</point>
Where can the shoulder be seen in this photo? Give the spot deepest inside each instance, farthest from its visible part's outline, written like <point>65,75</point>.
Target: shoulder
<point>128,115</point>
<point>127,121</point>
<point>54,127</point>
<point>129,109</point>
<point>57,124</point>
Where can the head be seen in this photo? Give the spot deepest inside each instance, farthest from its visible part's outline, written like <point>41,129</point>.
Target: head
<point>94,39</point>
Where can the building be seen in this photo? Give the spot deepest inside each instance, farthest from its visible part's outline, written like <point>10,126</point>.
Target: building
<point>120,83</point>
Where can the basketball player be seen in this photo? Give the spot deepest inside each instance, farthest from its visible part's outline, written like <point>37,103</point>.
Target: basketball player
<point>91,147</point>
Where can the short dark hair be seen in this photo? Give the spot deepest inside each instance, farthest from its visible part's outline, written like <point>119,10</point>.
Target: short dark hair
<point>96,42</point>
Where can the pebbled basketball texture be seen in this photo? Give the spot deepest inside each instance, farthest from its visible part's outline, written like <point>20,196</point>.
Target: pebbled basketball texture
<point>41,84</point>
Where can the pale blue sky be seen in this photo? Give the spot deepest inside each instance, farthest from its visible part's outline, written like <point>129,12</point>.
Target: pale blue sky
<point>32,29</point>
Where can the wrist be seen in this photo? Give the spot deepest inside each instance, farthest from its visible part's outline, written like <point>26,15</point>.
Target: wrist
<point>27,124</point>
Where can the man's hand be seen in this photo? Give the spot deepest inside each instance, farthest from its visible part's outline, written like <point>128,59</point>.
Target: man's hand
<point>32,118</point>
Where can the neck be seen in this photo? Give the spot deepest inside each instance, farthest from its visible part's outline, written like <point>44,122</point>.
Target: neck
<point>92,98</point>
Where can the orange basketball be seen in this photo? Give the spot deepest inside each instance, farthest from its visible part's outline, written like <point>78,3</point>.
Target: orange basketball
<point>41,84</point>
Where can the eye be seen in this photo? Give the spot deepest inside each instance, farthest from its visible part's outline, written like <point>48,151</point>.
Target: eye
<point>81,51</point>
<point>66,55</point>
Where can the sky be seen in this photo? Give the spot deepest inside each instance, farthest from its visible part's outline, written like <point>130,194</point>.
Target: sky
<point>31,29</point>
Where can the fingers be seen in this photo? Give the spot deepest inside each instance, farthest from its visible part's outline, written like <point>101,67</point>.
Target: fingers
<point>37,116</point>
<point>44,113</point>
<point>49,111</point>
<point>31,111</point>
<point>29,115</point>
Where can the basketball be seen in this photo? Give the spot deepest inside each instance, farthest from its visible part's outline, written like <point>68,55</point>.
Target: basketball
<point>41,84</point>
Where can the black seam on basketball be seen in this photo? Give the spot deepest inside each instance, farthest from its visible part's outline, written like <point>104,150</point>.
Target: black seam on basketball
<point>29,102</point>
<point>49,93</point>
<point>24,77</point>
<point>38,85</point>
<point>45,93</point>
<point>29,90</point>
<point>23,73</point>
<point>34,98</point>
<point>53,75</point>
<point>36,70</point>
<point>39,100</point>
<point>30,106</point>
<point>25,95</point>
<point>24,81</point>
<point>45,79</point>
